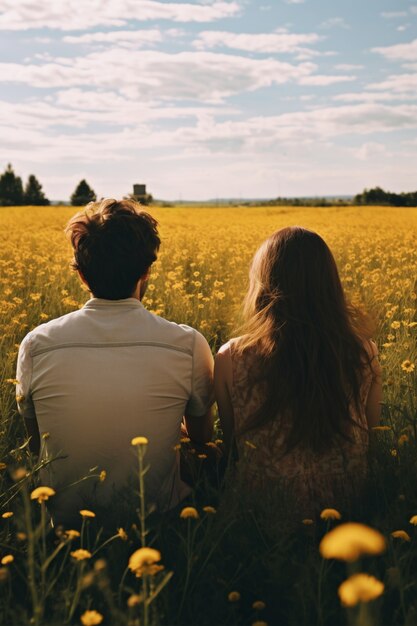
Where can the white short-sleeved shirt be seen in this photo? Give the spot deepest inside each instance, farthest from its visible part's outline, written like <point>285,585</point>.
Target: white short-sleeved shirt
<point>98,377</point>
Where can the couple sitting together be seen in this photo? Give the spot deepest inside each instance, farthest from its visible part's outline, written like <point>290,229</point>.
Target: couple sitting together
<point>296,392</point>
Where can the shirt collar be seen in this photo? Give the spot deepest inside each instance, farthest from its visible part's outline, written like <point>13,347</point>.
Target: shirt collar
<point>102,303</point>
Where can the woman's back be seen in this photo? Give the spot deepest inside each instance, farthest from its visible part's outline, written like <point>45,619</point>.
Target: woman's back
<point>315,480</point>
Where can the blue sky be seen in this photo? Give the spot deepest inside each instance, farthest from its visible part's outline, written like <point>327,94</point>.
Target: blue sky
<point>217,98</point>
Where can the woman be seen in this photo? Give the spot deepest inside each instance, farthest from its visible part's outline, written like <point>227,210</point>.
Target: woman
<point>298,391</point>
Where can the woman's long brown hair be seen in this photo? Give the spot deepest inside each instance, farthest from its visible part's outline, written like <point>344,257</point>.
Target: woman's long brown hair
<point>307,340</point>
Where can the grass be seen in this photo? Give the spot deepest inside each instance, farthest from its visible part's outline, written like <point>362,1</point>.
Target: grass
<point>216,565</point>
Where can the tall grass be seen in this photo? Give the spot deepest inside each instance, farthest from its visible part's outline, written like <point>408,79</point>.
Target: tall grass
<point>237,558</point>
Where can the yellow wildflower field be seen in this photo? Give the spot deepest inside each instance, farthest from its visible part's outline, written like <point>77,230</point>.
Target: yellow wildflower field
<point>201,274</point>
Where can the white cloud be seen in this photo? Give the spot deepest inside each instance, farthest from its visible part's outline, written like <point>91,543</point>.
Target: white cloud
<point>203,76</point>
<point>374,96</point>
<point>399,52</point>
<point>295,1</point>
<point>77,109</point>
<point>282,42</point>
<point>125,38</point>
<point>321,80</point>
<point>335,22</point>
<point>397,83</point>
<point>403,27</point>
<point>76,15</point>
<point>206,136</point>
<point>348,67</point>
<point>370,150</point>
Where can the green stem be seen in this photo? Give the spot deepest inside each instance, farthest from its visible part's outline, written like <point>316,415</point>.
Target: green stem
<point>142,515</point>
<point>187,576</point>
<point>77,593</point>
<point>37,609</point>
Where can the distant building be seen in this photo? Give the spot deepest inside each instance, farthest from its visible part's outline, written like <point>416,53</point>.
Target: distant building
<point>139,191</point>
<point>140,194</point>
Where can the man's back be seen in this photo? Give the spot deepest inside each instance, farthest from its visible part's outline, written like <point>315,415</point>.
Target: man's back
<point>100,376</point>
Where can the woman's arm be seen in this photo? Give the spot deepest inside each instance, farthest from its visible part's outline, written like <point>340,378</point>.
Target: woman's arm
<point>222,391</point>
<point>373,402</point>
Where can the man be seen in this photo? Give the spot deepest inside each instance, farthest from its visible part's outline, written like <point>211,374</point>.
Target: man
<point>92,380</point>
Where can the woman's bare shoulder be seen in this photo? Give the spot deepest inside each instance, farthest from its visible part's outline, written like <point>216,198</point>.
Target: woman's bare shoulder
<point>228,347</point>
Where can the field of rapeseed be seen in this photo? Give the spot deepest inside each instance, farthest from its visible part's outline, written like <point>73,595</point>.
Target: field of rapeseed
<point>224,559</point>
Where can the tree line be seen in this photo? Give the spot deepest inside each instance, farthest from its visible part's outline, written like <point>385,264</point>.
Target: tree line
<point>379,197</point>
<point>369,197</point>
<point>13,193</point>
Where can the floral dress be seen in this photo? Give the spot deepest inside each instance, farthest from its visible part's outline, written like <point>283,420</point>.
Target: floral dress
<point>313,481</point>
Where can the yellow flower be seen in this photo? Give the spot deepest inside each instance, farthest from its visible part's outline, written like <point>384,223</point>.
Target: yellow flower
<point>189,511</point>
<point>330,514</point>
<point>91,618</point>
<point>103,475</point>
<point>381,428</point>
<point>7,514</point>
<point>20,473</point>
<point>100,565</point>
<point>360,588</point>
<point>41,494</point>
<point>3,466</point>
<point>401,534</point>
<point>122,534</point>
<point>72,534</point>
<point>86,513</point>
<point>258,605</point>
<point>395,325</point>
<point>259,623</point>
<point>202,456</point>
<point>139,441</point>
<point>144,560</point>
<point>6,560</point>
<point>80,554</point>
<point>413,520</point>
<point>209,509</point>
<point>134,600</point>
<point>234,596</point>
<point>307,521</point>
<point>349,541</point>
<point>394,452</point>
<point>408,366</point>
<point>403,439</point>
<point>185,440</point>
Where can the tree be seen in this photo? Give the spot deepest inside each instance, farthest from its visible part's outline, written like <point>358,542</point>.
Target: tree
<point>33,193</point>
<point>11,188</point>
<point>83,194</point>
<point>145,199</point>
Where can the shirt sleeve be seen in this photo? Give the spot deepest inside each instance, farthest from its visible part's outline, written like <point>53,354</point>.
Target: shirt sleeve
<point>202,390</point>
<point>24,400</point>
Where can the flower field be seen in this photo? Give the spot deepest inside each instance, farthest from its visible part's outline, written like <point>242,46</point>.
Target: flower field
<point>225,558</point>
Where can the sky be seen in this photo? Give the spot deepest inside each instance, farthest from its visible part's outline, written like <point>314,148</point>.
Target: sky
<point>211,98</point>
